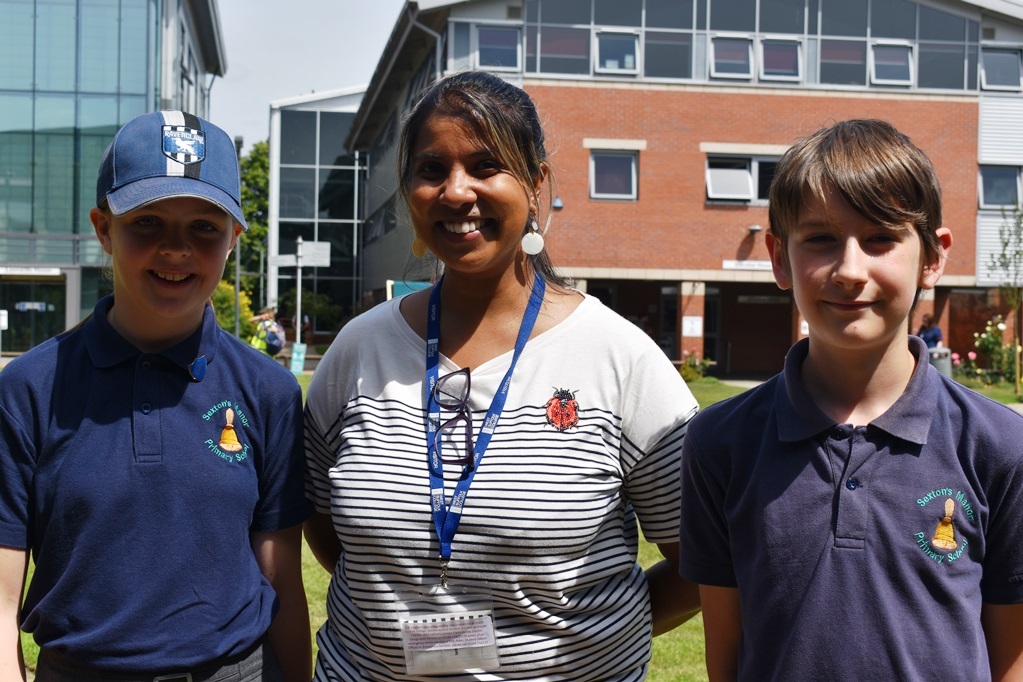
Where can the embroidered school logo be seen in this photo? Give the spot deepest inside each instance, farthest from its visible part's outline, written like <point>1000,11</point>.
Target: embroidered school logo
<point>226,444</point>
<point>183,144</point>
<point>942,542</point>
<point>562,409</point>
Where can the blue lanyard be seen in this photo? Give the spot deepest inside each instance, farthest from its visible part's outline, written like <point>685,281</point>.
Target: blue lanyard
<point>446,518</point>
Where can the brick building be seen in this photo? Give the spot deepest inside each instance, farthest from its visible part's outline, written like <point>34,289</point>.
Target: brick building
<point>666,119</point>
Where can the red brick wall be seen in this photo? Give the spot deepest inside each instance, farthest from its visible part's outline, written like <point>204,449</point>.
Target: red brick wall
<point>671,225</point>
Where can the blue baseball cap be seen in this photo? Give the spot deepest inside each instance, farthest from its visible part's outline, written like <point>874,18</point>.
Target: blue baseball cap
<point>166,154</point>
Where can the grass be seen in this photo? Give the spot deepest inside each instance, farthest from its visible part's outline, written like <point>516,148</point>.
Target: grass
<point>1003,393</point>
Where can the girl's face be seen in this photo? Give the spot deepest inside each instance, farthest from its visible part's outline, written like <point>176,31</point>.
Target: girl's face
<point>465,203</point>
<point>168,257</point>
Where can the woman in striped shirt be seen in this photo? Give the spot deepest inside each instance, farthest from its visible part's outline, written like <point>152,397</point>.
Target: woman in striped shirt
<point>483,454</point>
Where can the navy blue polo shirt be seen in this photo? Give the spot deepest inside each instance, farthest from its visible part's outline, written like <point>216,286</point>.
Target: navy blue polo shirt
<point>837,537</point>
<point>136,480</point>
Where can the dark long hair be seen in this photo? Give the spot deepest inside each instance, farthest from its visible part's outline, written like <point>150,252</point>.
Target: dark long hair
<point>505,117</point>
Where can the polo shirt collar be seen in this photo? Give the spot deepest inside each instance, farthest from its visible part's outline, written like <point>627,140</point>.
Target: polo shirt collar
<point>107,348</point>
<point>909,418</point>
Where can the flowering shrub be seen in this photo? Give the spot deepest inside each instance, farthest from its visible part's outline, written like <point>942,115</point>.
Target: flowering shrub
<point>693,365</point>
<point>966,372</point>
<point>999,358</point>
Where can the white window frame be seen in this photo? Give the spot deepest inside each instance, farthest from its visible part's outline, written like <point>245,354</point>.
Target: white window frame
<point>762,62</point>
<point>631,154</point>
<point>476,47</point>
<point>637,52</point>
<point>712,46</point>
<point>910,62</point>
<point>980,188</point>
<point>736,184</point>
<point>725,184</point>
<point>983,72</point>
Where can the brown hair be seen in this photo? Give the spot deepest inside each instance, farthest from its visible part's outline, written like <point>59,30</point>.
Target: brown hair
<point>503,116</point>
<point>875,168</point>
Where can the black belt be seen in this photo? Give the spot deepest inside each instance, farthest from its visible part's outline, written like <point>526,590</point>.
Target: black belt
<point>65,664</point>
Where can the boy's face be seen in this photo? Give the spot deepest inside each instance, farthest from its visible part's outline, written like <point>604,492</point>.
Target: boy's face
<point>855,282</point>
<point>168,257</point>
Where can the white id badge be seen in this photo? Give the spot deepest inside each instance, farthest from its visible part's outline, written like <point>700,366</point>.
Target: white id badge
<point>447,630</point>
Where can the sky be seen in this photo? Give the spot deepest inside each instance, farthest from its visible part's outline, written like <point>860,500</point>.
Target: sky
<point>279,49</point>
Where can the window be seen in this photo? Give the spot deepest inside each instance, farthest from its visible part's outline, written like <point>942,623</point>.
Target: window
<point>781,16</point>
<point>1000,69</point>
<point>617,13</point>
<point>999,186</point>
<point>669,13</point>
<point>897,19</point>
<point>617,53</point>
<point>732,57</point>
<point>843,62</point>
<point>613,174</point>
<point>497,48</point>
<point>941,65</point>
<point>733,15</point>
<point>844,18</point>
<point>891,64</point>
<point>780,60</point>
<point>564,50</point>
<point>668,55</point>
<point>731,178</point>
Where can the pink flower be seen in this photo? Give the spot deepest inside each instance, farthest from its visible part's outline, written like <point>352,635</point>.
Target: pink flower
<point>971,355</point>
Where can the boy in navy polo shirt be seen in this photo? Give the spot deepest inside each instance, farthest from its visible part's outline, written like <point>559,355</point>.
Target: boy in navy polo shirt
<point>857,516</point>
<point>149,461</point>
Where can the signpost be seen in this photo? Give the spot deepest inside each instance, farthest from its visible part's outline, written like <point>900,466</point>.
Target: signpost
<point>307,254</point>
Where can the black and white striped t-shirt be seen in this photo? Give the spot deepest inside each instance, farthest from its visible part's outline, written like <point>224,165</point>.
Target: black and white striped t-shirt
<point>549,525</point>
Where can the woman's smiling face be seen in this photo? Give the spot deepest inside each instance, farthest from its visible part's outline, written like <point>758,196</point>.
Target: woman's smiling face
<point>465,203</point>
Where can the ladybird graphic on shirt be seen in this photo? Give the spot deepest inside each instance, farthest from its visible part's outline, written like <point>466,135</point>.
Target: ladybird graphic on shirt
<point>562,409</point>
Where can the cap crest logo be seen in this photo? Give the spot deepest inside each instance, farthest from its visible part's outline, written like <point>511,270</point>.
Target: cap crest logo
<point>183,144</point>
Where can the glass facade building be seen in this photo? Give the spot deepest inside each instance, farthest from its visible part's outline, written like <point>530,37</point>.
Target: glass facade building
<point>315,195</point>
<point>71,73</point>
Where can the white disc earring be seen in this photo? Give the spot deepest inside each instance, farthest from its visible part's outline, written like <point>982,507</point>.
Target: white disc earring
<point>532,241</point>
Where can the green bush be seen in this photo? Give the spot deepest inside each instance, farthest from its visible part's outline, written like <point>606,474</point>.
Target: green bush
<point>693,366</point>
<point>998,359</point>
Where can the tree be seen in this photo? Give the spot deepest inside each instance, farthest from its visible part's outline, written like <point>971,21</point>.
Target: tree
<point>223,305</point>
<point>255,186</point>
<point>1008,264</point>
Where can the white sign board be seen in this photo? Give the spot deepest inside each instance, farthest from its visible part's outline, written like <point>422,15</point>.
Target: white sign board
<point>3,320</point>
<point>760,265</point>
<point>692,325</point>
<point>283,261</point>
<point>315,254</point>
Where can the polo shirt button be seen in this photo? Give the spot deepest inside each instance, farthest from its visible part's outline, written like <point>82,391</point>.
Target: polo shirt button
<point>146,364</point>
<point>146,408</point>
<point>852,484</point>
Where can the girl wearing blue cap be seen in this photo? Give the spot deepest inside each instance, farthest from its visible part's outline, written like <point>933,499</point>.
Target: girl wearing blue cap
<point>150,461</point>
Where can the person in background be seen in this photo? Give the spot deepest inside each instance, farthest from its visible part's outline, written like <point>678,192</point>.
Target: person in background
<point>929,331</point>
<point>857,516</point>
<point>269,336</point>
<point>151,462</point>
<point>479,453</point>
